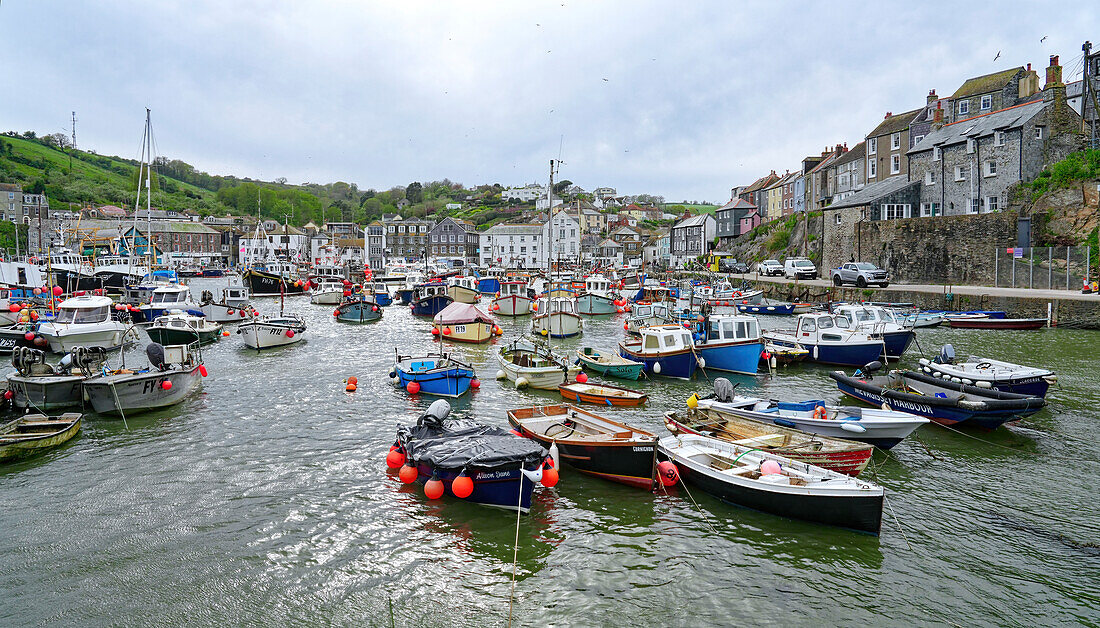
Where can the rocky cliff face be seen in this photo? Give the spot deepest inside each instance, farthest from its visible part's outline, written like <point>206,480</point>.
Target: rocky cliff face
<point>1065,216</point>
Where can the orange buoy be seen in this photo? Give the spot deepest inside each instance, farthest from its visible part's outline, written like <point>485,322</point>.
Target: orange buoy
<point>668,473</point>
<point>549,477</point>
<point>408,473</point>
<point>433,488</point>
<point>395,459</point>
<point>462,486</point>
<point>350,388</point>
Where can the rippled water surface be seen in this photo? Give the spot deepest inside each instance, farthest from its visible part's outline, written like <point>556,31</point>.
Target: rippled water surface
<point>265,500</point>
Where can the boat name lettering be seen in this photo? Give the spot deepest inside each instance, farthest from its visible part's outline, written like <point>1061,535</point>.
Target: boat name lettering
<point>492,476</point>
<point>900,403</point>
<point>643,449</point>
<point>151,385</point>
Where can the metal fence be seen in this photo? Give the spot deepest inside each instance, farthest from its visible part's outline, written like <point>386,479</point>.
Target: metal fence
<point>1046,268</point>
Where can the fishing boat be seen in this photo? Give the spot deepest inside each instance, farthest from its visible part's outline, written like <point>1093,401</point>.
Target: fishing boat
<point>784,351</point>
<point>463,289</point>
<point>358,308</point>
<point>590,443</point>
<point>83,321</point>
<point>463,322</point>
<point>512,300</point>
<point>829,341</point>
<point>664,350</point>
<point>231,308</point>
<point>747,477</point>
<point>35,433</point>
<point>729,342</point>
<point>609,364</point>
<point>165,299</point>
<point>327,291</point>
<point>773,308</point>
<point>876,426</point>
<point>70,271</point>
<point>646,314</point>
<point>180,328</point>
<point>601,394</point>
<point>212,272</point>
<point>173,374</point>
<point>556,317</point>
<point>878,322</point>
<point>918,320</point>
<point>441,375</point>
<point>115,272</point>
<point>266,332</point>
<point>945,402</point>
<point>970,314</point>
<point>40,386</point>
<point>272,278</point>
<point>19,335</point>
<point>989,373</point>
<point>141,292</point>
<point>596,299</point>
<point>407,286</point>
<point>527,364</point>
<point>500,468</point>
<point>429,299</point>
<point>381,294</point>
<point>997,323</point>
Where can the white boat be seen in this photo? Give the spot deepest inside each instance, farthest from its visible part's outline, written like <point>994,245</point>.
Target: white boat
<point>526,364</point>
<point>232,308</point>
<point>327,291</point>
<point>989,373</point>
<point>878,322</point>
<point>463,289</point>
<point>512,300</point>
<point>83,321</point>
<point>115,272</point>
<point>173,374</point>
<point>556,317</point>
<point>597,298</point>
<point>266,332</point>
<point>141,292</point>
<point>166,299</point>
<point>647,315</point>
<point>70,271</point>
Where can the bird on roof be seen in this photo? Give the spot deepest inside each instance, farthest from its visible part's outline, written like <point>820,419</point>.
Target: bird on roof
<point>998,55</point>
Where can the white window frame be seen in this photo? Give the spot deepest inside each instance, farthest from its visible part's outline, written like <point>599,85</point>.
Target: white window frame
<point>937,154</point>
<point>930,177</point>
<point>964,107</point>
<point>992,203</point>
<point>838,218</point>
<point>917,139</point>
<point>990,168</point>
<point>987,102</point>
<point>971,145</point>
<point>895,141</point>
<point>895,164</point>
<point>1039,129</point>
<point>872,166</point>
<point>975,206</point>
<point>872,145</point>
<point>998,138</point>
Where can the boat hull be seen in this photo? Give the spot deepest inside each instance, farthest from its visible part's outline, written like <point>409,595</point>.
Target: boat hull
<point>775,310</point>
<point>172,336</point>
<point>46,392</point>
<point>556,324</point>
<point>140,392</point>
<point>430,306</point>
<point>512,305</point>
<point>260,335</point>
<point>444,382</point>
<point>741,358</point>
<point>327,297</point>
<point>632,463</point>
<point>358,312</point>
<point>997,323</point>
<point>476,333</point>
<point>626,400</point>
<point>265,284</point>
<point>14,447</point>
<point>844,354</point>
<point>681,364</point>
<point>631,370</point>
<point>462,294</point>
<point>548,378</point>
<point>591,304</point>
<point>501,488</point>
<point>221,313</point>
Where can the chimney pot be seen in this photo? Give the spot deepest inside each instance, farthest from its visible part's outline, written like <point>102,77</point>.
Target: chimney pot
<point>888,114</point>
<point>1029,67</point>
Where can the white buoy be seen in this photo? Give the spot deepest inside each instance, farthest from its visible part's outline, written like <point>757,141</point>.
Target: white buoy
<point>554,454</point>
<point>522,382</point>
<point>501,374</point>
<point>815,352</point>
<point>772,361</point>
<point>702,363</point>
<point>852,426</point>
<point>983,384</point>
<point>657,368</point>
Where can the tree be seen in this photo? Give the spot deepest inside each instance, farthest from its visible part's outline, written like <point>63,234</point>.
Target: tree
<point>415,192</point>
<point>560,186</point>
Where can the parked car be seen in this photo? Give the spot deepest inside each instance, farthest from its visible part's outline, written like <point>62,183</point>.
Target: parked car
<point>799,268</point>
<point>729,265</point>
<point>861,274</point>
<point>769,267</point>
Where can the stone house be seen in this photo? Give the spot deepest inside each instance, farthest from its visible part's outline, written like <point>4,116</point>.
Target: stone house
<point>847,172</point>
<point>405,238</point>
<point>728,217</point>
<point>608,253</point>
<point>632,241</point>
<point>515,246</point>
<point>968,167</point>
<point>455,239</point>
<point>818,191</point>
<point>993,92</point>
<point>376,246</point>
<point>886,145</point>
<point>892,199</point>
<point>691,237</point>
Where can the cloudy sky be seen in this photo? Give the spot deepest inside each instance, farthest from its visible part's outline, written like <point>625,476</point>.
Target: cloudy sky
<point>679,99</point>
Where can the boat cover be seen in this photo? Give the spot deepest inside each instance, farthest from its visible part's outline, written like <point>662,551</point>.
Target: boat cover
<point>461,314</point>
<point>459,443</point>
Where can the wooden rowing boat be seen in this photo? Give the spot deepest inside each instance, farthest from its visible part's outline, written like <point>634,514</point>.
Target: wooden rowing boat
<point>601,394</point>
<point>997,323</point>
<point>590,443</point>
<point>34,433</point>
<point>610,364</point>
<point>836,454</point>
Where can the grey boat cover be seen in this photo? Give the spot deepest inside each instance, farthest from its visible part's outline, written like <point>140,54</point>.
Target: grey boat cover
<point>455,444</point>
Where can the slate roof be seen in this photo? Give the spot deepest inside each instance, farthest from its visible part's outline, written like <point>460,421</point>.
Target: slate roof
<point>695,221</point>
<point>986,83</point>
<point>858,152</point>
<point>737,203</point>
<point>895,123</point>
<point>874,191</point>
<point>979,126</point>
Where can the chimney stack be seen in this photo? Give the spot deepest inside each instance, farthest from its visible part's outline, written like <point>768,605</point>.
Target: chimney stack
<point>888,114</point>
<point>932,97</point>
<point>937,116</point>
<point>1054,72</point>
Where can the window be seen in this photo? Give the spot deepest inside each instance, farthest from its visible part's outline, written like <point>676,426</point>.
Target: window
<point>872,146</point>
<point>895,211</point>
<point>960,173</point>
<point>998,138</point>
<point>917,139</point>
<point>838,220</point>
<point>974,204</point>
<point>970,145</point>
<point>964,107</point>
<point>871,167</point>
<point>895,164</point>
<point>1039,129</point>
<point>990,168</point>
<point>936,153</point>
<point>401,229</point>
<point>435,237</point>
<point>927,209</point>
<point>895,141</point>
<point>991,203</point>
<point>930,177</point>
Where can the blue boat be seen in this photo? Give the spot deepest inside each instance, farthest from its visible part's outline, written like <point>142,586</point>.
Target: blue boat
<point>502,466</point>
<point>381,294</point>
<point>776,309</point>
<point>439,375</point>
<point>879,323</point>
<point>213,272</point>
<point>358,309</point>
<point>488,285</point>
<point>167,299</point>
<point>405,295</point>
<point>827,340</point>
<point>945,402</point>
<point>429,299</point>
<point>729,342</point>
<point>664,350</point>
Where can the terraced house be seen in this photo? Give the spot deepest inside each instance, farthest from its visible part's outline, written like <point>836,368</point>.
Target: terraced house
<point>886,145</point>
<point>993,92</point>
<point>406,238</point>
<point>691,237</point>
<point>455,239</point>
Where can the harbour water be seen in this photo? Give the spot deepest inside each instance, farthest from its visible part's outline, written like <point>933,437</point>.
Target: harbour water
<point>265,500</point>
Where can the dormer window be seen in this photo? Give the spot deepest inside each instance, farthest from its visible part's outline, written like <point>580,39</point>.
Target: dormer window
<point>987,102</point>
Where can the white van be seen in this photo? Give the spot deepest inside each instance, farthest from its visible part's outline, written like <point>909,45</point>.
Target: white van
<point>799,268</point>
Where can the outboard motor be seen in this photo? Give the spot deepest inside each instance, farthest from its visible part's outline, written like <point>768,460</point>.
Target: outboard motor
<point>24,359</point>
<point>946,356</point>
<point>207,297</point>
<point>155,352</point>
<point>723,390</point>
<point>436,414</point>
<point>871,367</point>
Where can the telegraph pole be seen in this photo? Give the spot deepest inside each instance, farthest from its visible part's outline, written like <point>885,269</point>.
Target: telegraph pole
<point>1087,91</point>
<point>73,146</point>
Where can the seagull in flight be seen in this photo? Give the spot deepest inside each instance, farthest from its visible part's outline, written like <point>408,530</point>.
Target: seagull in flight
<point>605,80</point>
<point>998,55</point>
<point>1043,39</point>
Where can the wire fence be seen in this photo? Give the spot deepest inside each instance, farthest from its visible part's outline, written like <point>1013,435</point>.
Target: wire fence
<point>1046,267</point>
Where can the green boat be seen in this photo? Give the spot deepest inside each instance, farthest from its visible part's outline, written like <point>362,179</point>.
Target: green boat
<point>33,433</point>
<point>611,364</point>
<point>183,329</point>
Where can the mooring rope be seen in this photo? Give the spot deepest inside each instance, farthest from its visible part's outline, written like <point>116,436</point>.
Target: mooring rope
<point>515,546</point>
<point>896,522</point>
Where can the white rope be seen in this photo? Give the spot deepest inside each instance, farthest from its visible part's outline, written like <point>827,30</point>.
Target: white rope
<point>515,546</point>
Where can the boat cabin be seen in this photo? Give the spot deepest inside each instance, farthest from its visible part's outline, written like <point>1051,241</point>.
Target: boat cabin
<point>597,284</point>
<point>235,295</point>
<point>555,305</point>
<point>328,271</point>
<point>470,283</point>
<point>664,339</point>
<point>66,259</point>
<point>84,309</point>
<point>166,296</point>
<point>732,328</point>
<point>427,290</point>
<point>513,288</point>
<point>279,267</point>
<point>823,326</point>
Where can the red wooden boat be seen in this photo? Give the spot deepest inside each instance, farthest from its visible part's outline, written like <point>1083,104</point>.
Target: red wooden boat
<point>836,454</point>
<point>997,323</point>
<point>591,443</point>
<point>601,394</point>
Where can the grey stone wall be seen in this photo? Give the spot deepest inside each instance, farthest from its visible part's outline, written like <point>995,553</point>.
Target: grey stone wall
<point>952,195</point>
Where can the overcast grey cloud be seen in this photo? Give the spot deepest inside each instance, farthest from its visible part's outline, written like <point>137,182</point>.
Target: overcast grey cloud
<point>679,99</point>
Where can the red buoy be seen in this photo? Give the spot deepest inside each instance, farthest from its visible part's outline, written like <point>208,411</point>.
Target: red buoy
<point>413,388</point>
<point>550,477</point>
<point>166,385</point>
<point>475,384</point>
<point>433,488</point>
<point>582,377</point>
<point>395,459</point>
<point>202,370</point>
<point>8,394</point>
<point>29,336</point>
<point>408,473</point>
<point>668,473</point>
<point>57,291</point>
<point>290,333</point>
<point>462,486</point>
